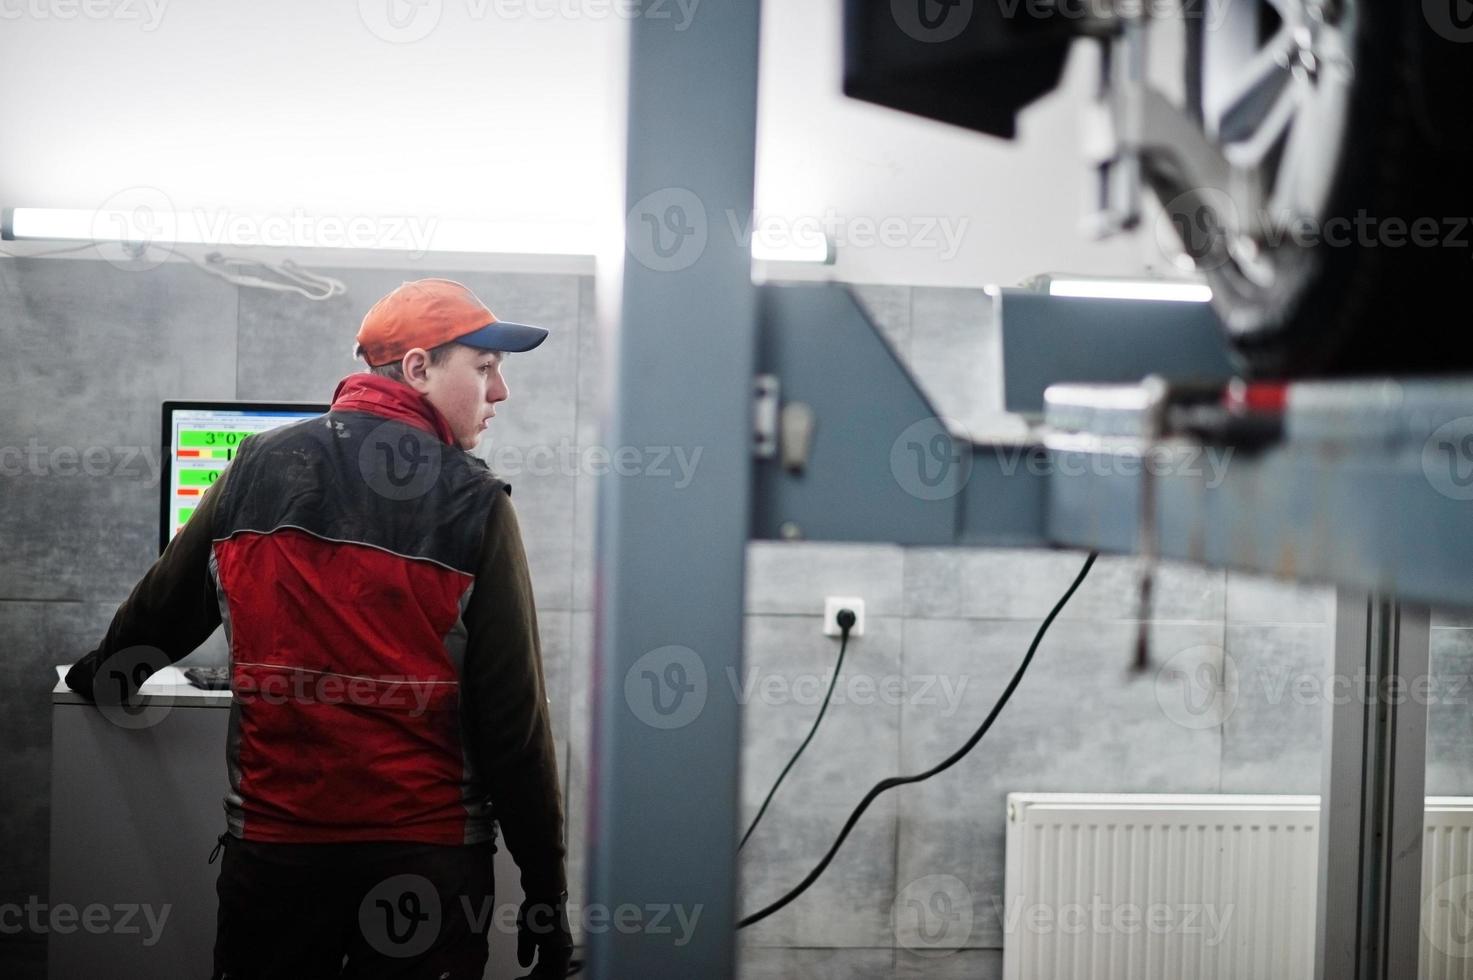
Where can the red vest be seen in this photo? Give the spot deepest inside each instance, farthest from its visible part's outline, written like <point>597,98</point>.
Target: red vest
<point>345,550</point>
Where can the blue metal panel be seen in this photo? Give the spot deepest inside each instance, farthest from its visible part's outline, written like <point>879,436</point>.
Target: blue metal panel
<point>1049,339</point>
<point>883,466</point>
<point>1006,499</point>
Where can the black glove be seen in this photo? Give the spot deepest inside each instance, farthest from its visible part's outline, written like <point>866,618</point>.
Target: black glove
<point>542,927</point>
<point>79,678</point>
<point>115,678</point>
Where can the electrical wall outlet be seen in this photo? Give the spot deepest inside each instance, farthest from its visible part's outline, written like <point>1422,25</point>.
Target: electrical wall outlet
<point>831,606</point>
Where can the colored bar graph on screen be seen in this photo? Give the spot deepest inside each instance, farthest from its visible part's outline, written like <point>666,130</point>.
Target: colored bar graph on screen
<point>184,513</point>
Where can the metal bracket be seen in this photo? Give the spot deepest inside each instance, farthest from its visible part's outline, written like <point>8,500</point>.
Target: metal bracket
<point>765,401</point>
<point>1134,135</point>
<point>798,423</point>
<point>781,430</point>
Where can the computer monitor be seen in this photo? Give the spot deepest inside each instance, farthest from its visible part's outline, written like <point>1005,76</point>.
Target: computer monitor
<point>200,438</point>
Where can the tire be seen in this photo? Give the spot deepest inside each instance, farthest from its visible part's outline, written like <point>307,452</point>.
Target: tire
<point>1356,303</point>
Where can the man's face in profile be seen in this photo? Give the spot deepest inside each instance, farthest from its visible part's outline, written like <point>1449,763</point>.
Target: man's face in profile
<point>465,388</point>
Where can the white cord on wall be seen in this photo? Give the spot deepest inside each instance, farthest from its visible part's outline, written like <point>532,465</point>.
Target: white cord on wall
<point>309,285</point>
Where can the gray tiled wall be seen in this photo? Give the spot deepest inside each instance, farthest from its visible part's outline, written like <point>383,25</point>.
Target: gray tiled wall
<point>94,349</point>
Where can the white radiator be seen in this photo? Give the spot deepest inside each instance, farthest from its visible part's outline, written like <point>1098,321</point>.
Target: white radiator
<point>1147,887</point>
<point>1447,890</point>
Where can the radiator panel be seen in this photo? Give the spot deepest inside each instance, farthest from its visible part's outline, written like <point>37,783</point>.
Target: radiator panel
<point>1155,887</point>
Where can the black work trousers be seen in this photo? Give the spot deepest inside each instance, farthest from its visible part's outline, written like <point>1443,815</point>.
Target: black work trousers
<point>366,911</point>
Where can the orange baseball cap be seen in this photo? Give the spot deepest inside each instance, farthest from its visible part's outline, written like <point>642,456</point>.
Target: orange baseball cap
<point>430,312</point>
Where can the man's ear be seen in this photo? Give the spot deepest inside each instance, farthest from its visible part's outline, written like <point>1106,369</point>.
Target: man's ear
<point>415,366</point>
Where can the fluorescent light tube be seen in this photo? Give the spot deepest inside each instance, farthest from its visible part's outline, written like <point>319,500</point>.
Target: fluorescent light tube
<point>1154,289</point>
<point>300,229</point>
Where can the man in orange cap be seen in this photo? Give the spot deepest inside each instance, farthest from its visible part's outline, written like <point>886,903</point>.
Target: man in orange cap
<point>389,706</point>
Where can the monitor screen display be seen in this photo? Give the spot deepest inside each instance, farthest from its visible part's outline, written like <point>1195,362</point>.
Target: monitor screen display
<point>200,438</point>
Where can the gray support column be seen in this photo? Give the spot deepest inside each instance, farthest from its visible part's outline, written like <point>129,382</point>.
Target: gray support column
<point>671,555</point>
<point>1373,803</point>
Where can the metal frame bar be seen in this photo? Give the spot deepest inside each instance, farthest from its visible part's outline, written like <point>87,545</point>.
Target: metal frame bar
<point>670,561</point>
<point>1372,811</point>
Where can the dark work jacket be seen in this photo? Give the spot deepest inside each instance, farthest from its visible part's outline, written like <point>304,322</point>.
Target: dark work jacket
<point>385,660</point>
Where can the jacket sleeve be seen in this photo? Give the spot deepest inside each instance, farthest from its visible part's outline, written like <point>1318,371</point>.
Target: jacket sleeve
<point>173,608</point>
<point>505,709</point>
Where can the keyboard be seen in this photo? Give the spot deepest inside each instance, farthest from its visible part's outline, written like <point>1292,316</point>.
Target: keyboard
<point>209,678</point>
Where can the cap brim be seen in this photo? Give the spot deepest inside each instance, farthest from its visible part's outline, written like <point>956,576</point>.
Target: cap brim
<point>501,335</point>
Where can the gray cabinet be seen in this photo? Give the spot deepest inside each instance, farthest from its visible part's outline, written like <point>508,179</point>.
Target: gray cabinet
<point>135,811</point>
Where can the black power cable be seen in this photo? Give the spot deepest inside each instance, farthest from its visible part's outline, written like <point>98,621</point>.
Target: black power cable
<point>893,781</point>
<point>846,623</point>
<point>846,620</point>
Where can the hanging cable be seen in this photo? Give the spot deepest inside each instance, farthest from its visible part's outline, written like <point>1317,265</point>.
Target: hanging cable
<point>54,251</point>
<point>846,623</point>
<point>308,285</point>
